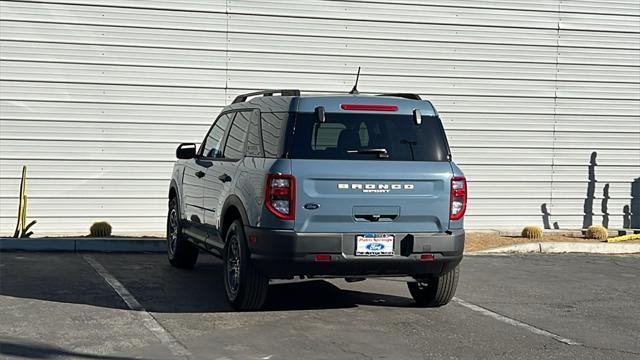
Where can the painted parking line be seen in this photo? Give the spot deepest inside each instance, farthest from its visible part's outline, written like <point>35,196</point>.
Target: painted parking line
<point>144,316</point>
<point>502,318</point>
<point>514,322</point>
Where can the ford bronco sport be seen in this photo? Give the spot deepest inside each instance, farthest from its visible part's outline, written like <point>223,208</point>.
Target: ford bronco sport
<point>286,185</point>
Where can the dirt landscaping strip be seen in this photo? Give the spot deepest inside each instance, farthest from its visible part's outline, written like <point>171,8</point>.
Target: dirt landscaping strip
<point>477,241</point>
<point>569,242</point>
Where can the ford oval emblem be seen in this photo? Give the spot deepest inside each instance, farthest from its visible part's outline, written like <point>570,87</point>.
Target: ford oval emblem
<point>375,246</point>
<point>311,206</point>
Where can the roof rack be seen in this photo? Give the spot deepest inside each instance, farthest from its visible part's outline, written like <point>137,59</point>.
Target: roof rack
<point>403,95</point>
<point>282,92</point>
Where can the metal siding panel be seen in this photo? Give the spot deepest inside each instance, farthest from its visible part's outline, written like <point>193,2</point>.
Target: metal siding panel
<point>107,74</point>
<point>395,13</point>
<point>184,5</point>
<point>392,48</point>
<point>112,55</point>
<point>90,92</point>
<point>598,40</point>
<point>112,16</point>
<point>410,67</point>
<point>107,112</point>
<point>616,7</point>
<point>107,35</point>
<point>497,122</point>
<point>88,189</point>
<point>409,31</point>
<point>526,90</point>
<point>96,169</point>
<point>600,22</point>
<point>97,131</point>
<point>375,83</point>
<point>92,100</point>
<point>86,150</point>
<point>597,120</point>
<point>539,5</point>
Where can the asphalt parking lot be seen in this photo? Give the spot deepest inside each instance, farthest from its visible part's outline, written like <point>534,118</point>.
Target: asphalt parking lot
<point>60,305</point>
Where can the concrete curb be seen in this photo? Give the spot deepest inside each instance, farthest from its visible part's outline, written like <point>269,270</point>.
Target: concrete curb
<point>563,248</point>
<point>114,244</point>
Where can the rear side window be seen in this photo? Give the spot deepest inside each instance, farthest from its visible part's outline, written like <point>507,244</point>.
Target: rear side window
<point>368,137</point>
<point>273,125</point>
<point>254,138</point>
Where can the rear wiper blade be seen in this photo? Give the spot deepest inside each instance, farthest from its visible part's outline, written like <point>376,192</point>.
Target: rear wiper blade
<point>381,152</point>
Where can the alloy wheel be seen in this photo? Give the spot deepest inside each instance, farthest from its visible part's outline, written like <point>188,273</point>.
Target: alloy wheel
<point>232,264</point>
<point>172,237</point>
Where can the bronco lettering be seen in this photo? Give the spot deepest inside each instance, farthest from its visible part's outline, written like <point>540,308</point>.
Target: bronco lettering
<point>375,188</point>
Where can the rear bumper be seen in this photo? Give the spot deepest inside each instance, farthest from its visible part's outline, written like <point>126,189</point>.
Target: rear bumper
<point>285,253</point>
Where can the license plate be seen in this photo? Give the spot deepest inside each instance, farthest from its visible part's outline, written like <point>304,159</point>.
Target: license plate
<point>374,245</point>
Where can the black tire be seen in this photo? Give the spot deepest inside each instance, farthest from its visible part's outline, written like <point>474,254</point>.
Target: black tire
<point>181,253</point>
<point>435,291</point>
<point>245,286</point>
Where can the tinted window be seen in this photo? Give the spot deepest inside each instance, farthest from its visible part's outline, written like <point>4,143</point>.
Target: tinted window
<point>326,136</point>
<point>369,137</point>
<point>212,146</point>
<point>234,147</point>
<point>272,127</point>
<point>254,138</point>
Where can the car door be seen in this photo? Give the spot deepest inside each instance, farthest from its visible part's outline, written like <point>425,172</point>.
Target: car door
<point>221,175</point>
<point>192,182</point>
<point>194,176</point>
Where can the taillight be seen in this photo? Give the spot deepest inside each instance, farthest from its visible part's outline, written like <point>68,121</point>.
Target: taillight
<point>280,195</point>
<point>458,202</point>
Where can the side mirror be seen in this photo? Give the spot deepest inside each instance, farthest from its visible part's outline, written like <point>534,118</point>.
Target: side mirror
<point>186,151</point>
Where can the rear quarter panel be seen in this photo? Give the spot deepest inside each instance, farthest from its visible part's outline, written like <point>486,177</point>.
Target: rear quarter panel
<point>250,188</point>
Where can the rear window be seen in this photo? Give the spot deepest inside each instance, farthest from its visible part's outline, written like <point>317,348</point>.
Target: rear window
<point>368,137</point>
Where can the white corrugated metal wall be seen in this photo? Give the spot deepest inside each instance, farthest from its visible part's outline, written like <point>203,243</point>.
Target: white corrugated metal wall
<point>95,95</point>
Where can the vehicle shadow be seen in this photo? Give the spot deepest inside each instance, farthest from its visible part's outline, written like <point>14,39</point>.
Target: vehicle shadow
<point>31,350</point>
<point>158,287</point>
<point>320,294</point>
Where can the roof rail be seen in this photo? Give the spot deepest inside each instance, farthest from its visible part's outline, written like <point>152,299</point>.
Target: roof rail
<point>403,95</point>
<point>282,92</point>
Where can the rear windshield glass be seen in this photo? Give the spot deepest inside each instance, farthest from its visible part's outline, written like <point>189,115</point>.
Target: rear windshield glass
<point>368,137</point>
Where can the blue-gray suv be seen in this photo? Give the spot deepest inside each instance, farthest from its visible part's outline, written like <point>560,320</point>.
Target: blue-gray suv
<point>288,186</point>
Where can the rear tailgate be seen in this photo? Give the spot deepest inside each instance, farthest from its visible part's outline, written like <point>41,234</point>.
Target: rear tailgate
<point>364,196</point>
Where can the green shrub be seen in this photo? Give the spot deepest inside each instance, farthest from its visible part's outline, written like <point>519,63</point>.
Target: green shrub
<point>597,232</point>
<point>100,229</point>
<point>532,232</point>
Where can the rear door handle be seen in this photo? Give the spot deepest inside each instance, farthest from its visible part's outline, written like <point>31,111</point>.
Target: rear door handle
<point>224,178</point>
<point>200,174</point>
